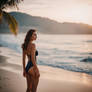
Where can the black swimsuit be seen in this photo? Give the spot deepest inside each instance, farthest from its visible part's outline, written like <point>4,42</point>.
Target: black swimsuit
<point>30,64</point>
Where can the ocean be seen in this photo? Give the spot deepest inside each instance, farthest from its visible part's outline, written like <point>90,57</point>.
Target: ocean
<point>69,52</point>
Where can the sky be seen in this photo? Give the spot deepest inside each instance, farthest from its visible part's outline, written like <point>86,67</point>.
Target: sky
<point>79,11</point>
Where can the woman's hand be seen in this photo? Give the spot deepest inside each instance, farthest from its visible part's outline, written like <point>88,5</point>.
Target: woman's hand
<point>24,73</point>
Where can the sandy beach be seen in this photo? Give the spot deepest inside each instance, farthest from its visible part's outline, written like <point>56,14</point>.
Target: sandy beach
<point>51,79</point>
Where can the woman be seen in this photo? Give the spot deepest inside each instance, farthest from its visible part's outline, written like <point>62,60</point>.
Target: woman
<point>31,71</point>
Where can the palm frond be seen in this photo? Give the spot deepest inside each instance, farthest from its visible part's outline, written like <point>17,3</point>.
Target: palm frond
<point>0,16</point>
<point>9,3</point>
<point>13,25</point>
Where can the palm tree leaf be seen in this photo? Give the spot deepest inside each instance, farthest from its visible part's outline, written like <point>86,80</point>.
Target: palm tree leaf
<point>9,3</point>
<point>0,16</point>
<point>13,25</point>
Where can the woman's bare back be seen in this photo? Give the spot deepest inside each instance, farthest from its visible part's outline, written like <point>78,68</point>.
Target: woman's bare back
<point>30,50</point>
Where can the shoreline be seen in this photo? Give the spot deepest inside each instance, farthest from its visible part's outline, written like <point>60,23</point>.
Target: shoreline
<point>51,79</point>
<point>14,54</point>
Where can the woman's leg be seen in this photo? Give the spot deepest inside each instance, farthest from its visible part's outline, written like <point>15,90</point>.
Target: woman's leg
<point>33,84</point>
<point>29,83</point>
<point>27,80</point>
<point>36,82</point>
<point>32,78</point>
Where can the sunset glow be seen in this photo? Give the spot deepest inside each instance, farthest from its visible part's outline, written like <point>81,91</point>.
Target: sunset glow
<point>59,10</point>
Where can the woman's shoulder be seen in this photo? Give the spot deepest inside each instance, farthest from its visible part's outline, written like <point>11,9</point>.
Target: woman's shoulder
<point>32,46</point>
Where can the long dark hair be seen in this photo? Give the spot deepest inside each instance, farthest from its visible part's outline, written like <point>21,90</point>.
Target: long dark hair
<point>27,38</point>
